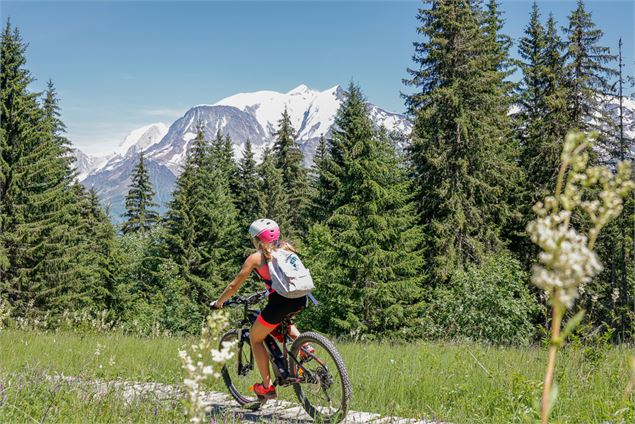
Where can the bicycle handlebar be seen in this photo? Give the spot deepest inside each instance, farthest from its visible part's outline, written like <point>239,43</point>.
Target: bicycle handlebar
<point>249,300</point>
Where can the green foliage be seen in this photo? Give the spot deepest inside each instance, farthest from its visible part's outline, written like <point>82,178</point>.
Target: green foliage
<point>288,159</point>
<point>370,245</point>
<point>154,295</point>
<point>542,120</point>
<point>609,297</point>
<point>202,233</point>
<point>489,302</point>
<point>587,70</point>
<point>248,188</point>
<point>324,183</point>
<point>273,198</point>
<point>139,202</point>
<point>98,249</point>
<point>462,153</point>
<point>4,171</point>
<point>222,157</point>
<point>612,295</point>
<point>44,266</point>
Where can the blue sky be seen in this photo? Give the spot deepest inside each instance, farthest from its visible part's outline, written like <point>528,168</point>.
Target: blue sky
<point>119,65</point>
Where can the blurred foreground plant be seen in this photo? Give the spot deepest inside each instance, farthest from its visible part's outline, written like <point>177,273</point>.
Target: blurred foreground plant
<point>567,261</point>
<point>204,361</point>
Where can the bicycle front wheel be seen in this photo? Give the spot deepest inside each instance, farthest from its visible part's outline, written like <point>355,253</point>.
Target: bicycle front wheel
<point>239,372</point>
<point>325,390</point>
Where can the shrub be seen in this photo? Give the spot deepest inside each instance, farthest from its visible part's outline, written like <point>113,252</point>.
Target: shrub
<point>488,302</point>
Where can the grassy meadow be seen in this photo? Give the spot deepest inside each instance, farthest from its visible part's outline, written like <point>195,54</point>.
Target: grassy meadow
<point>460,383</point>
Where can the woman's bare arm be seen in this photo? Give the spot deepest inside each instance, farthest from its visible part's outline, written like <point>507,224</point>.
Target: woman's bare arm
<point>250,264</point>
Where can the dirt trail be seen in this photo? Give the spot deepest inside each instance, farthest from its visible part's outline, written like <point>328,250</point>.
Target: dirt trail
<point>223,405</point>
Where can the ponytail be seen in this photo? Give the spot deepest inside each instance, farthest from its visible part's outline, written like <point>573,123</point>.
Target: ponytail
<point>268,248</point>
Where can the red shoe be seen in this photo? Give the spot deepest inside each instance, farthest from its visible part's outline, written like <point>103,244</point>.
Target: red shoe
<point>264,393</point>
<point>306,352</point>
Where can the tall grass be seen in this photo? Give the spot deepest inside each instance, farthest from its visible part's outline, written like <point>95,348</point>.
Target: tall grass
<point>457,382</point>
<point>29,396</point>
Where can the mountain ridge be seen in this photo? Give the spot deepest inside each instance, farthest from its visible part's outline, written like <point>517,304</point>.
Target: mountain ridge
<point>242,116</point>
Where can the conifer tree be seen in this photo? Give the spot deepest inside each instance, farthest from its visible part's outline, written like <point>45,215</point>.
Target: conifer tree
<point>616,245</point>
<point>497,42</point>
<point>587,70</point>
<point>532,48</point>
<point>345,131</point>
<point>557,122</point>
<point>377,272</point>
<point>140,214</point>
<point>462,150</point>
<point>273,198</point>
<point>248,188</point>
<point>98,249</point>
<point>542,121</point>
<point>4,171</point>
<point>323,184</point>
<point>39,206</point>
<point>222,156</point>
<point>288,158</point>
<point>320,156</point>
<point>51,108</point>
<point>203,235</point>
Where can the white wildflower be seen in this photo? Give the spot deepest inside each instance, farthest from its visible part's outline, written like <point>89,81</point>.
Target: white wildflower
<point>208,363</point>
<point>567,262</point>
<point>192,384</point>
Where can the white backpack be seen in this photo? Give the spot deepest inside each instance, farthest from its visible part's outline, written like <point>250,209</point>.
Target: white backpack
<point>289,277</point>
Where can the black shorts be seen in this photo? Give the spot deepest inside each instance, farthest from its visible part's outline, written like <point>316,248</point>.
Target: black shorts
<point>278,307</point>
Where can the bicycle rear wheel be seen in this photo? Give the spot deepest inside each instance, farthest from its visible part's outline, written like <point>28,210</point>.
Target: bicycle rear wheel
<point>240,371</point>
<point>326,390</point>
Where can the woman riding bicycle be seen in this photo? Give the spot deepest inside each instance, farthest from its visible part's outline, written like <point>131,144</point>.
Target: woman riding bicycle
<point>265,235</point>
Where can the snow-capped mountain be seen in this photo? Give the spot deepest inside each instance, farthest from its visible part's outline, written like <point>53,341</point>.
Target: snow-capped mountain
<point>252,116</point>
<point>240,126</point>
<point>312,112</point>
<point>255,116</point>
<point>142,138</point>
<point>85,164</point>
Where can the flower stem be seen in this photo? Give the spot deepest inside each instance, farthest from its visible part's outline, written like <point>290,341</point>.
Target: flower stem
<point>551,361</point>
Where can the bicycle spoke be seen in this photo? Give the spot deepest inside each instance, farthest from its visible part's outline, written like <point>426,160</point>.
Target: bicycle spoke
<point>239,372</point>
<point>323,391</point>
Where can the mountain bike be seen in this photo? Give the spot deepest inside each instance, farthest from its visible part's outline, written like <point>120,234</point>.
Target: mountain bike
<point>317,374</point>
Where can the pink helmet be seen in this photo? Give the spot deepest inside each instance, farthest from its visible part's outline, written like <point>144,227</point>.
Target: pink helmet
<point>266,230</point>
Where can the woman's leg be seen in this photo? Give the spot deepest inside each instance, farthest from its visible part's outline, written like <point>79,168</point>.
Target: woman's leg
<point>294,332</point>
<point>257,335</point>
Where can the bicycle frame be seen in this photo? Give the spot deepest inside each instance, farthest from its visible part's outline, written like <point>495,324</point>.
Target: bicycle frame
<point>278,359</point>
